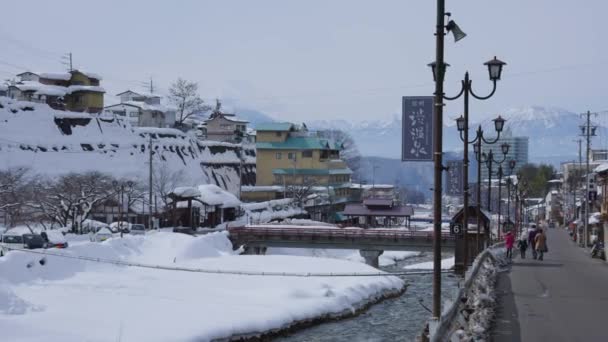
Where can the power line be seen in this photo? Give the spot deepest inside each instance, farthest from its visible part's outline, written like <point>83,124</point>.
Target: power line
<point>218,271</point>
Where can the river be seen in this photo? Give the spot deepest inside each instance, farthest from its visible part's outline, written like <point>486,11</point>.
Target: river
<point>397,319</point>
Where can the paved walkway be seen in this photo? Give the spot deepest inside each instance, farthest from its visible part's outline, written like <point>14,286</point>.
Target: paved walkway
<point>563,298</point>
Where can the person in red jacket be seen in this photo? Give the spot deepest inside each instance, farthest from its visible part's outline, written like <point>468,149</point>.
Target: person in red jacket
<point>509,242</point>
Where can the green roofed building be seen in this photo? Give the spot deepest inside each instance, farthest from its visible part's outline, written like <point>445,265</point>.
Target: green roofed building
<point>289,155</point>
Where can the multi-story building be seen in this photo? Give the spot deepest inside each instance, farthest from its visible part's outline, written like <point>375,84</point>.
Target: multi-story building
<point>518,151</point>
<point>291,157</point>
<point>142,109</point>
<point>76,91</point>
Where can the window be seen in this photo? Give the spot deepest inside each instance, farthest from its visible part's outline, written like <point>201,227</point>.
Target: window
<point>306,154</point>
<point>291,155</point>
<point>278,155</point>
<point>76,98</point>
<point>278,134</point>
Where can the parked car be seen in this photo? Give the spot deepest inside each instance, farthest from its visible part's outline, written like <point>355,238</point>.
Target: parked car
<point>138,229</point>
<point>33,241</point>
<point>54,239</point>
<point>120,226</point>
<point>10,241</point>
<point>102,235</point>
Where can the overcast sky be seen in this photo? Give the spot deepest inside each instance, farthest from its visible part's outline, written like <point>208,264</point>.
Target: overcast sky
<point>305,60</point>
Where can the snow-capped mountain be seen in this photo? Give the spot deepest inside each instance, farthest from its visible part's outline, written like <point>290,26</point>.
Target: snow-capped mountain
<point>552,132</point>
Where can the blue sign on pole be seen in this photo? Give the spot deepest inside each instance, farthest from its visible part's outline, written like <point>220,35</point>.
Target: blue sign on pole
<point>417,128</point>
<point>454,181</point>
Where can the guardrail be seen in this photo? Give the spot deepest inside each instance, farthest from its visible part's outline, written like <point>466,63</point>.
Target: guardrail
<point>335,232</point>
<point>439,329</point>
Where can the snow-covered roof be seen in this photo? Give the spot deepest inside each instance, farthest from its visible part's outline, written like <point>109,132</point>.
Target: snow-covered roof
<point>601,168</point>
<point>214,195</point>
<point>41,89</point>
<point>75,88</point>
<point>89,74</point>
<point>186,191</point>
<point>145,106</point>
<point>142,93</point>
<point>63,76</point>
<point>261,188</point>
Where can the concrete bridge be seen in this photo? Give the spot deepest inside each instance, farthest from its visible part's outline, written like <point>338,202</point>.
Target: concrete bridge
<point>371,243</point>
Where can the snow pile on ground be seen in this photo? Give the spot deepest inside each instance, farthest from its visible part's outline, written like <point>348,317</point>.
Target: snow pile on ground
<point>36,136</point>
<point>73,300</point>
<point>446,264</point>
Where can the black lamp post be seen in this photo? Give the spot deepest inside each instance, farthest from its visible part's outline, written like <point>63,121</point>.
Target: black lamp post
<point>462,123</point>
<point>499,124</point>
<point>509,181</point>
<point>500,174</point>
<point>488,159</point>
<point>439,66</point>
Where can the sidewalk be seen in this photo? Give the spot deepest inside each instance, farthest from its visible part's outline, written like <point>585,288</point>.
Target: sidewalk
<point>563,298</point>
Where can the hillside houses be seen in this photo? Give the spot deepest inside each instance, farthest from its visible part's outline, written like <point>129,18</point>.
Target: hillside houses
<point>142,109</point>
<point>76,91</point>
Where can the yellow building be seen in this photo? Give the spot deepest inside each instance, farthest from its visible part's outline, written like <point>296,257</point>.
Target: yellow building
<point>291,156</point>
<point>84,93</point>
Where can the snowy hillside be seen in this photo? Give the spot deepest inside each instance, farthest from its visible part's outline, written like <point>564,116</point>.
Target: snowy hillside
<point>54,142</point>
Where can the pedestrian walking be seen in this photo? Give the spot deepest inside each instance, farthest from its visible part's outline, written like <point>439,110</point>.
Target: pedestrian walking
<point>541,244</point>
<point>532,241</point>
<point>509,241</point>
<point>522,245</point>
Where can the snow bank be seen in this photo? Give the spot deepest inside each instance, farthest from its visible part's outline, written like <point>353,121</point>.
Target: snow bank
<point>387,258</point>
<point>446,264</point>
<point>73,300</point>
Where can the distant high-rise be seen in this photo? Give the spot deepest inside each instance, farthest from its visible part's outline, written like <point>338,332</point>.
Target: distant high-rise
<point>518,151</point>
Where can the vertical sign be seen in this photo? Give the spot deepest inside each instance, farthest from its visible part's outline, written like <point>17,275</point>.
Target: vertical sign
<point>417,128</point>
<point>454,181</point>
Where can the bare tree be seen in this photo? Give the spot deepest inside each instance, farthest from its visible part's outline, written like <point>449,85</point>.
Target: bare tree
<point>164,180</point>
<point>71,198</point>
<point>300,192</point>
<point>13,183</point>
<point>349,153</point>
<point>184,94</point>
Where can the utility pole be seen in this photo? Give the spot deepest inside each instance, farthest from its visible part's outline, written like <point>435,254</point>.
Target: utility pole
<point>150,220</point>
<point>580,168</point>
<point>68,61</point>
<point>438,157</point>
<point>587,131</point>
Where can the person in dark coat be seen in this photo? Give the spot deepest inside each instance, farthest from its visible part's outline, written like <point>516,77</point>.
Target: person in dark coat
<point>532,241</point>
<point>522,245</point>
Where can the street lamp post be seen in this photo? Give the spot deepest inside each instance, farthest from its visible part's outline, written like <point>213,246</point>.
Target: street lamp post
<point>499,123</point>
<point>462,123</point>
<point>488,159</point>
<point>500,174</point>
<point>509,182</point>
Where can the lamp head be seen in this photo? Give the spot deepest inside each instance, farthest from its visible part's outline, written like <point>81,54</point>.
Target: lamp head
<point>436,72</point>
<point>505,148</point>
<point>512,164</point>
<point>495,68</point>
<point>460,123</point>
<point>499,124</point>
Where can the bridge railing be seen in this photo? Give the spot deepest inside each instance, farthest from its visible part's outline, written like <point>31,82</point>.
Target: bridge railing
<point>334,232</point>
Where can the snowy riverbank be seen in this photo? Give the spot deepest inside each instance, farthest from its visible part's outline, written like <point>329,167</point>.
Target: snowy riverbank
<point>74,300</point>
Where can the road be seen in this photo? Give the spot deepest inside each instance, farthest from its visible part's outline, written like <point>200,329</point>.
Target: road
<point>563,298</point>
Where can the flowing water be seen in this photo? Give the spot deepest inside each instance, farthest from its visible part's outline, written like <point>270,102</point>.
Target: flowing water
<point>397,319</point>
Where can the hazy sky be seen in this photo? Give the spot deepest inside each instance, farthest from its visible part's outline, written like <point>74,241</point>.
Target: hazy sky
<point>304,60</point>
